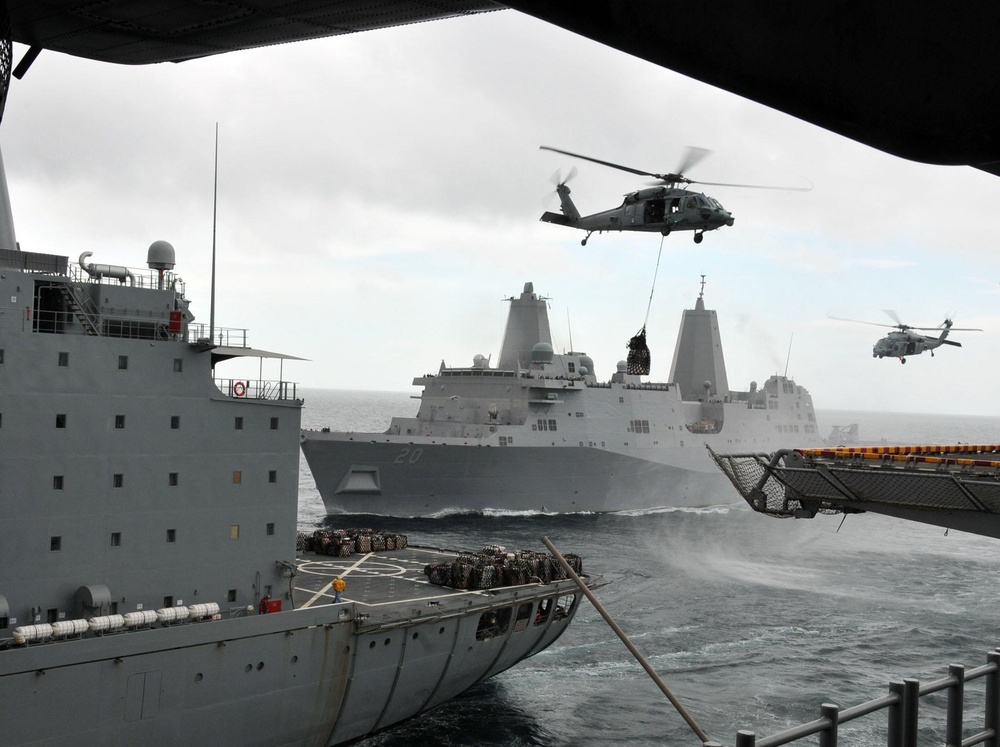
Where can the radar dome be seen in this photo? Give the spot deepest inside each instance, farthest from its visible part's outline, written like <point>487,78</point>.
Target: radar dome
<point>622,366</point>
<point>541,352</point>
<point>584,370</point>
<point>160,256</point>
<point>707,384</point>
<point>587,362</point>
<point>479,361</point>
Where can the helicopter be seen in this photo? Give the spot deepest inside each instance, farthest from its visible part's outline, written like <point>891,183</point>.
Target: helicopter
<point>905,341</point>
<point>661,208</point>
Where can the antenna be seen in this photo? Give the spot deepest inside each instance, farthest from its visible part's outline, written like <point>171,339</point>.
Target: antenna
<point>570,328</point>
<point>701,294</point>
<point>215,202</point>
<point>787,357</point>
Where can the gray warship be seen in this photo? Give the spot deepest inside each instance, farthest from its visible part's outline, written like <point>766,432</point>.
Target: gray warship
<point>540,431</point>
<point>153,589</point>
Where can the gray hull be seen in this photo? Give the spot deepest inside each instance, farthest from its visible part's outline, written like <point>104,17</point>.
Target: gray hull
<point>402,479</point>
<point>323,675</point>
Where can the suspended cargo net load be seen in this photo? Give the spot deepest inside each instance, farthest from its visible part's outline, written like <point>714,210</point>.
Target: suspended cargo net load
<point>343,543</point>
<point>638,355</point>
<point>960,480</point>
<point>493,566</point>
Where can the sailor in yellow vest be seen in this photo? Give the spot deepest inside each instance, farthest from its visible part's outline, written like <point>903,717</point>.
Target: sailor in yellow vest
<point>338,587</point>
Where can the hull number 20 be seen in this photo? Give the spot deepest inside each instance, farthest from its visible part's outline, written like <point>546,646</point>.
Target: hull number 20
<point>408,456</point>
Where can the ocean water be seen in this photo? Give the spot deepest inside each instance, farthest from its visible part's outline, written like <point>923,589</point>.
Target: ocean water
<point>753,622</point>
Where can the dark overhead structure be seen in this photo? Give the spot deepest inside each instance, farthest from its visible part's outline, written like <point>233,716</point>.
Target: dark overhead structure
<point>916,78</point>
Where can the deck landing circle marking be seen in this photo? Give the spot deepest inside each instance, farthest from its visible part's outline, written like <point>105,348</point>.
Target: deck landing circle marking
<point>370,568</point>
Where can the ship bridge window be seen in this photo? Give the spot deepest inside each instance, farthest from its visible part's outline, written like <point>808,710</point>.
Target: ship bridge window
<point>175,422</point>
<point>63,360</point>
<point>638,426</point>
<point>116,539</point>
<point>119,422</point>
<point>172,479</point>
<point>239,423</point>
<point>61,420</point>
<point>544,425</point>
<point>274,424</point>
<point>57,482</point>
<point>171,535</point>
<point>118,480</point>
<point>55,544</point>
<point>571,367</point>
<point>272,475</point>
<point>122,362</point>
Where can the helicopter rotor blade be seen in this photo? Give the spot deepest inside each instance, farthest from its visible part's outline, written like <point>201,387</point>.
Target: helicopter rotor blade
<point>752,186</point>
<point>861,321</point>
<point>895,317</point>
<point>557,177</point>
<point>597,160</point>
<point>692,157</point>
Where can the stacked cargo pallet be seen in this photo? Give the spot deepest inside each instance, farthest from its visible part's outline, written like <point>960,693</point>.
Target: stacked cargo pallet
<point>493,566</point>
<point>343,543</point>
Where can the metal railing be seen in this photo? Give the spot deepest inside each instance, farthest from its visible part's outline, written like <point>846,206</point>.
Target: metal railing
<point>902,705</point>
<point>257,389</point>
<point>232,337</point>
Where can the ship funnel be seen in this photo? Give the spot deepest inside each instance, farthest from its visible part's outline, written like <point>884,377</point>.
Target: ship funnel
<point>698,358</point>
<point>527,325</point>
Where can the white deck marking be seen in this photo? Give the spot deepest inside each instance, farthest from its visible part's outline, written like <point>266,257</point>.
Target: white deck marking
<point>322,591</point>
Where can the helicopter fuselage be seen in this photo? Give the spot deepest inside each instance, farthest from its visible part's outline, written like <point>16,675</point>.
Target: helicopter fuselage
<point>905,342</point>
<point>654,209</point>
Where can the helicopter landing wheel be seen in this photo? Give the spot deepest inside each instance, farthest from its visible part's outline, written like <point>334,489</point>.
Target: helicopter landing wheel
<point>902,360</point>
<point>698,238</point>
<point>584,242</point>
<point>665,231</point>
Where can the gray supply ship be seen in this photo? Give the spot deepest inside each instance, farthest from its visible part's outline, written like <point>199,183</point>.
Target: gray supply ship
<point>541,432</point>
<point>149,518</point>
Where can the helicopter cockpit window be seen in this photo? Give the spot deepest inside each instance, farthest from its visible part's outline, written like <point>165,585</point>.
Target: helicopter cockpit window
<point>692,202</point>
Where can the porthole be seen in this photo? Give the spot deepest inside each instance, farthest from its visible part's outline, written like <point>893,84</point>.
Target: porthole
<point>294,659</point>
<point>388,641</point>
<point>371,645</point>
<point>415,636</point>
<point>260,665</point>
<point>248,668</point>
<point>199,677</point>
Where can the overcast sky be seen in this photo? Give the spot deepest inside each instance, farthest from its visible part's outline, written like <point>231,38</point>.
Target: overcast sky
<point>379,194</point>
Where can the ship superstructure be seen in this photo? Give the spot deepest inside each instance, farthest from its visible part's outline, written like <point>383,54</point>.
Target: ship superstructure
<point>541,431</point>
<point>150,586</point>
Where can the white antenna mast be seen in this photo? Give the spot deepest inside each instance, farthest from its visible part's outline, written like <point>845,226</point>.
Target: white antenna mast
<point>215,202</point>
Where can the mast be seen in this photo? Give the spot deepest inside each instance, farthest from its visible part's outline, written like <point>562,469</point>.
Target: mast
<point>8,240</point>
